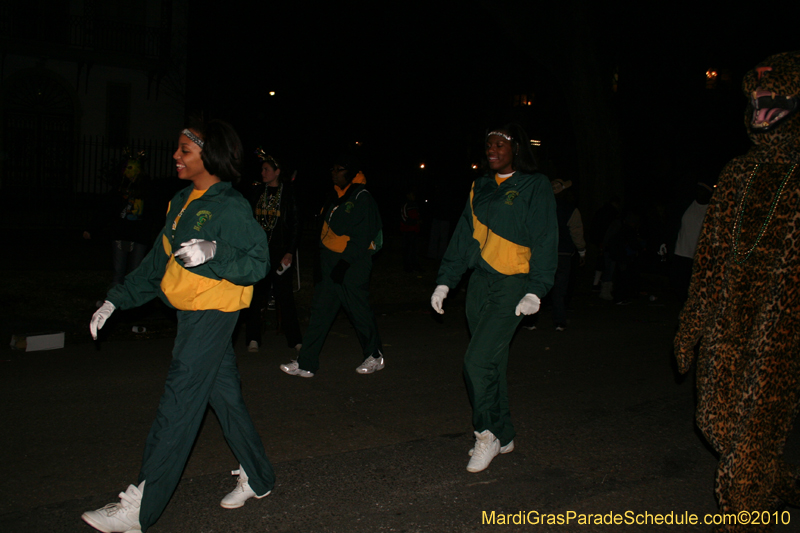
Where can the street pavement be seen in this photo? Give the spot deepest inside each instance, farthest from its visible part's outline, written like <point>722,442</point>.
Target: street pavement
<point>604,425</point>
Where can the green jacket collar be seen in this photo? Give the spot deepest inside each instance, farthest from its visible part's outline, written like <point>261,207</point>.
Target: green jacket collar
<point>212,193</point>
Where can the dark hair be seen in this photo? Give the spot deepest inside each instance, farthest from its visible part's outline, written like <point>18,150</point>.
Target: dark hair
<point>524,160</point>
<point>350,163</point>
<point>271,161</point>
<point>222,149</point>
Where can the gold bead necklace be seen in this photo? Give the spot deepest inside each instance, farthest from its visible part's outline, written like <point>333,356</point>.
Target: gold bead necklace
<point>737,227</point>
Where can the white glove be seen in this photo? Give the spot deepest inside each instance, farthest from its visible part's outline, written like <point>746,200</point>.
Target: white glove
<point>99,318</point>
<point>438,296</point>
<point>196,252</point>
<point>529,305</point>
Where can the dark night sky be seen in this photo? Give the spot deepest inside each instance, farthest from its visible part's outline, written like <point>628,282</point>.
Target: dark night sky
<point>377,73</point>
<point>415,82</point>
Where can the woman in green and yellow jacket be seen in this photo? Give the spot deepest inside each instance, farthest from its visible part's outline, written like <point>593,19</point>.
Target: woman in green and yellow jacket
<point>204,263</point>
<point>508,234</point>
<point>351,232</point>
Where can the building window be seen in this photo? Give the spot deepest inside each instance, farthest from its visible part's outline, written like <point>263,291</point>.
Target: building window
<point>522,100</point>
<point>118,113</point>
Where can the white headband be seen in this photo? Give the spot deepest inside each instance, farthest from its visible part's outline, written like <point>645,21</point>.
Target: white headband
<point>195,139</point>
<point>505,136</point>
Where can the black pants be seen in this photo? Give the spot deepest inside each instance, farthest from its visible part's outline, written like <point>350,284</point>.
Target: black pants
<point>284,297</point>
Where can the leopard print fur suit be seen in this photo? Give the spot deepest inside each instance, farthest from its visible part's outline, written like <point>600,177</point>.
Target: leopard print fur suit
<point>744,303</point>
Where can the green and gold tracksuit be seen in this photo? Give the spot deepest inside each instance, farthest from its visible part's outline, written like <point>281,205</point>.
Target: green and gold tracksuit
<point>203,371</point>
<point>351,227</point>
<point>508,233</point>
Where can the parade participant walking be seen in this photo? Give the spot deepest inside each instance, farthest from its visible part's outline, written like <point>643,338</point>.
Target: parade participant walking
<point>204,262</point>
<point>508,234</point>
<point>350,234</point>
<point>742,305</point>
<point>276,212</point>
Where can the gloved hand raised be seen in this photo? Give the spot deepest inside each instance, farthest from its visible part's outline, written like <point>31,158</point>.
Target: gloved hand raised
<point>438,296</point>
<point>528,305</point>
<point>196,252</point>
<point>99,318</point>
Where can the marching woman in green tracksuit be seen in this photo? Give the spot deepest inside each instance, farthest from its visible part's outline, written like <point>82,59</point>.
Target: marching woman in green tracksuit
<point>204,263</point>
<point>351,232</point>
<point>508,234</point>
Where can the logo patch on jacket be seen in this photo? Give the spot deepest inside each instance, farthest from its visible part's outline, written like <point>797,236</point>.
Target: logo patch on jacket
<point>510,195</point>
<point>349,206</point>
<point>202,217</point>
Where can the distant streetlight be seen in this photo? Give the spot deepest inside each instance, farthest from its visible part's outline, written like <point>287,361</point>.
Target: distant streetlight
<point>711,79</point>
<point>272,93</point>
<point>422,165</point>
<point>474,166</point>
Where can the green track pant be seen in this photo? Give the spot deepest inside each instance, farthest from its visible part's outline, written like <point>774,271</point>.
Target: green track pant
<point>353,295</point>
<point>491,302</point>
<point>203,372</point>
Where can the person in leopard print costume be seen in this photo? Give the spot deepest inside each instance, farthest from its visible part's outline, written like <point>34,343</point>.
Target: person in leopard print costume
<point>743,303</point>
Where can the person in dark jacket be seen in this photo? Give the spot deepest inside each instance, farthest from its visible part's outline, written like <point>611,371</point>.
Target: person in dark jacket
<point>508,234</point>
<point>276,212</point>
<point>204,263</point>
<point>351,232</point>
<point>570,241</point>
<point>410,224</point>
<point>125,217</point>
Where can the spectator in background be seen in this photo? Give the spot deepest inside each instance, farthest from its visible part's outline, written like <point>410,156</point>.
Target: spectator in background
<point>570,240</point>
<point>439,211</point>
<point>124,216</point>
<point>689,234</point>
<point>597,235</point>
<point>625,247</point>
<point>410,222</point>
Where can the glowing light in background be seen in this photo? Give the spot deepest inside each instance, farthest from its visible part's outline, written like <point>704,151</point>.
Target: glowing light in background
<point>711,79</point>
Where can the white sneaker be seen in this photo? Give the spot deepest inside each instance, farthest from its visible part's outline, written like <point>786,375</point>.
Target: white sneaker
<point>122,517</point>
<point>293,369</point>
<point>487,447</point>
<point>242,492</point>
<point>253,346</point>
<point>508,448</point>
<point>370,365</point>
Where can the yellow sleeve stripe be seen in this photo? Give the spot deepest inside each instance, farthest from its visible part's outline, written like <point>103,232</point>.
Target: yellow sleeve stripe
<point>501,254</point>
